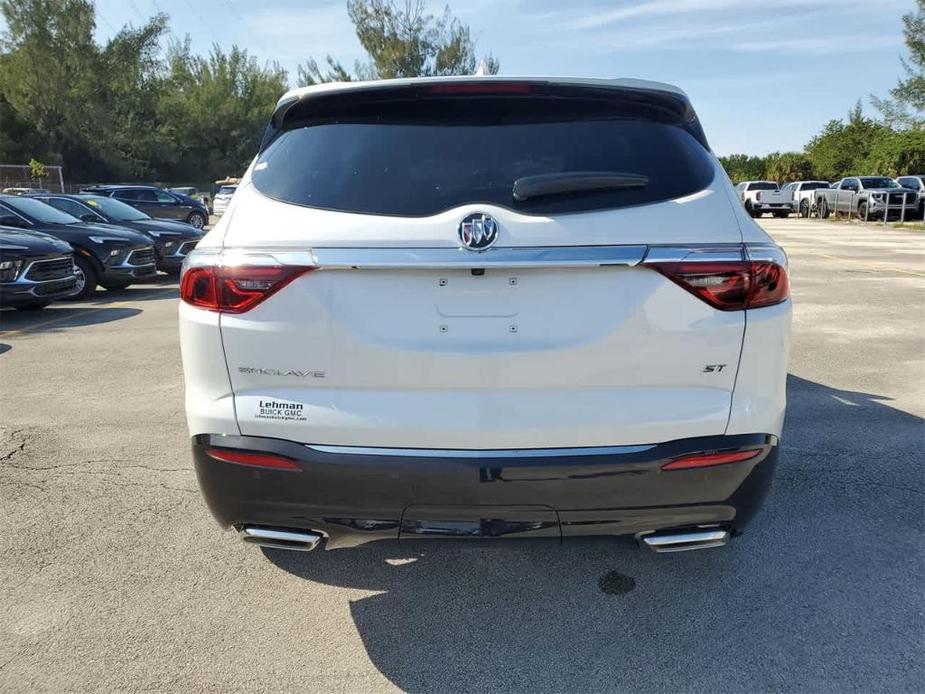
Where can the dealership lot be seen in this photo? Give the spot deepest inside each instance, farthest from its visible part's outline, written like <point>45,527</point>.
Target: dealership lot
<point>116,578</point>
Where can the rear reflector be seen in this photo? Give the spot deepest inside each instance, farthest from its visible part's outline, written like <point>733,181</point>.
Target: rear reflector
<point>730,286</point>
<point>710,459</point>
<point>235,289</point>
<point>268,460</point>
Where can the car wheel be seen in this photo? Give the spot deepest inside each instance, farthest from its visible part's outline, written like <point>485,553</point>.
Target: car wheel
<point>33,306</point>
<point>197,219</point>
<point>804,208</point>
<point>750,209</point>
<point>86,279</point>
<point>823,209</point>
<point>862,210</point>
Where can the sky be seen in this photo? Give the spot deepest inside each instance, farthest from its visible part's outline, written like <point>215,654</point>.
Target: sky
<point>763,76</point>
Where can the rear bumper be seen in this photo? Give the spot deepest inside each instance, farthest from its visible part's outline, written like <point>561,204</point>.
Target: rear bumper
<point>361,495</point>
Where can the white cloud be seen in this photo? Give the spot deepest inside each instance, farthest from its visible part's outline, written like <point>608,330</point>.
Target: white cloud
<point>826,45</point>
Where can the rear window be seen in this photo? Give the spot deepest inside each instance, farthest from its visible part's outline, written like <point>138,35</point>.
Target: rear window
<point>815,185</point>
<point>418,162</point>
<point>762,186</point>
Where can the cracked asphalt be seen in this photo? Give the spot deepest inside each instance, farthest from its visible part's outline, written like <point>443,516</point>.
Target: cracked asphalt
<point>114,577</point>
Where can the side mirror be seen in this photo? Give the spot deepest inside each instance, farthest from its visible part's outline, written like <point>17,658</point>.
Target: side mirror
<point>12,221</point>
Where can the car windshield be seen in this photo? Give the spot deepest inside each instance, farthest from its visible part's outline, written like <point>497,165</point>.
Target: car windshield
<point>116,210</point>
<point>46,214</point>
<point>878,182</point>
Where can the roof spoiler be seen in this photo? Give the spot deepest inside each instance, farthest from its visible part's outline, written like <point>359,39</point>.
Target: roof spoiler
<point>326,102</point>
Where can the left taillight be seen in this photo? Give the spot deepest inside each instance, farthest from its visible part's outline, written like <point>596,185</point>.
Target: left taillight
<point>732,285</point>
<point>237,288</point>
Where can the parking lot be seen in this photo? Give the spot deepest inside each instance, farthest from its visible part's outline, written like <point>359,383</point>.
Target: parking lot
<point>116,578</point>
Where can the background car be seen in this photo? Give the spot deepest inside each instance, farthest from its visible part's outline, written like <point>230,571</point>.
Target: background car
<point>35,269</point>
<point>172,240</point>
<point>222,198</point>
<point>801,195</point>
<point>759,197</point>
<point>867,197</point>
<point>157,203</point>
<point>104,255</point>
<point>916,183</point>
<point>195,194</point>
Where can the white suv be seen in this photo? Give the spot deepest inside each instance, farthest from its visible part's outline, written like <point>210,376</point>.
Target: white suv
<point>461,307</point>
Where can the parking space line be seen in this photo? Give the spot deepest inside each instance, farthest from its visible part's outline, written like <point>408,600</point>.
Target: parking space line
<point>52,321</point>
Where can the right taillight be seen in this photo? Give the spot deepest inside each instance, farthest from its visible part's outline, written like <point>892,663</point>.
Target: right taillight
<point>235,289</point>
<point>732,285</point>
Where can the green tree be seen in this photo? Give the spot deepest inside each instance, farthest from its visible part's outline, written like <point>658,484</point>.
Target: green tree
<point>403,40</point>
<point>70,98</point>
<point>897,153</point>
<point>789,166</point>
<point>841,148</point>
<point>744,167</point>
<point>906,108</point>
<point>215,108</point>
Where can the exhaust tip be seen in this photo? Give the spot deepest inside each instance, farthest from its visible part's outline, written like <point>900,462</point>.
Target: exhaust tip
<point>683,541</point>
<point>293,540</point>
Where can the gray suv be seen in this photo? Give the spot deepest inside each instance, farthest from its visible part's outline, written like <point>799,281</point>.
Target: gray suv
<point>157,203</point>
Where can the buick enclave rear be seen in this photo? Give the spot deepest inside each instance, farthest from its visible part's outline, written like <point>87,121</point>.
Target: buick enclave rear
<point>485,307</point>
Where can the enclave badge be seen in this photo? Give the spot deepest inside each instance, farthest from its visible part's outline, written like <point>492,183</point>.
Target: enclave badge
<point>477,231</point>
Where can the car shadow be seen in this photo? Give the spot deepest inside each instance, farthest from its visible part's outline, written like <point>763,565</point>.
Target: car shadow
<point>821,592</point>
<point>59,317</point>
<point>152,290</point>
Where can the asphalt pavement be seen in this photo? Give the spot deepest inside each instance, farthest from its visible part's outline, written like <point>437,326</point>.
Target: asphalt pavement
<point>114,577</point>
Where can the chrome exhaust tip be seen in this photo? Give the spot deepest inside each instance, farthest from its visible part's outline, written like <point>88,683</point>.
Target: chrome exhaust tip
<point>294,540</point>
<point>685,540</point>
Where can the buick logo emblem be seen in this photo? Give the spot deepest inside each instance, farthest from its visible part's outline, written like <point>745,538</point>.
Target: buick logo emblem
<point>478,231</point>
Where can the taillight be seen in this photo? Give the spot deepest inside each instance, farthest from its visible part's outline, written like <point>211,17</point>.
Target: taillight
<point>710,459</point>
<point>758,196</point>
<point>235,289</point>
<point>256,459</point>
<point>730,285</point>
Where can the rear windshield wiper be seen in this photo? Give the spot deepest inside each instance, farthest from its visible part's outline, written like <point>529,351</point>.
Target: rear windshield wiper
<point>527,187</point>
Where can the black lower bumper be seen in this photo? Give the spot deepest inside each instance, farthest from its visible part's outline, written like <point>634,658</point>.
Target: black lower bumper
<point>359,497</point>
<point>16,294</point>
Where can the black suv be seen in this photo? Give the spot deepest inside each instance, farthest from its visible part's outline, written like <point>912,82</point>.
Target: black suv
<point>35,269</point>
<point>158,203</point>
<point>106,255</point>
<point>172,240</point>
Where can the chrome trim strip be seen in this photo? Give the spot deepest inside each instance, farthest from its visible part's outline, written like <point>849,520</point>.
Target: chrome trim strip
<point>448,258</point>
<point>423,258</point>
<point>489,453</point>
<point>702,253</point>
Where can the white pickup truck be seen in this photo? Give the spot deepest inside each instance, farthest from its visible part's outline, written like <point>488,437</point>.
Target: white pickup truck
<point>763,196</point>
<point>802,195</point>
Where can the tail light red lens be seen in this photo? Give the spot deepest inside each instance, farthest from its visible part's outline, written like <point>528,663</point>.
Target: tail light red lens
<point>758,196</point>
<point>267,460</point>
<point>710,459</point>
<point>730,286</point>
<point>235,289</point>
